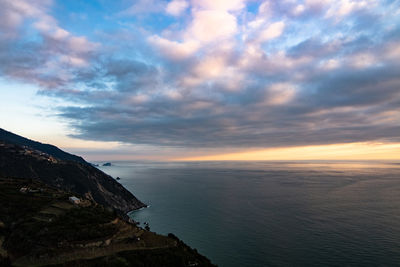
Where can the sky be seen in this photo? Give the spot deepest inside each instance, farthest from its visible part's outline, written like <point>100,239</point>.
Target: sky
<point>204,79</point>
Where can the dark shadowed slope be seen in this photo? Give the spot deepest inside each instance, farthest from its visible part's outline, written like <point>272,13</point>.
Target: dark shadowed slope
<point>18,160</point>
<point>40,227</point>
<point>54,151</point>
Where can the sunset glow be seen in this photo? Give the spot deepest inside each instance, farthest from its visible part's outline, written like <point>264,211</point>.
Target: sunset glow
<point>354,151</point>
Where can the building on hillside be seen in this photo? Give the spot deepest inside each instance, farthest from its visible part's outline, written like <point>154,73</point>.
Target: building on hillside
<point>23,189</point>
<point>74,200</point>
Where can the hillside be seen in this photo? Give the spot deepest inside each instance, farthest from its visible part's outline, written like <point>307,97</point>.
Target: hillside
<point>11,138</point>
<point>39,226</point>
<point>18,160</point>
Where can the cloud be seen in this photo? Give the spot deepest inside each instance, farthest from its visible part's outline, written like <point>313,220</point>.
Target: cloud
<point>273,31</point>
<point>218,73</point>
<point>13,14</point>
<point>47,62</point>
<point>172,49</point>
<point>221,5</point>
<point>211,26</point>
<point>210,67</point>
<point>210,23</point>
<point>345,7</point>
<point>280,93</point>
<point>176,7</point>
<point>142,7</point>
<point>298,9</point>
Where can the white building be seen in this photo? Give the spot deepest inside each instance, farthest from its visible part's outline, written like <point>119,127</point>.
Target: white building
<point>74,200</point>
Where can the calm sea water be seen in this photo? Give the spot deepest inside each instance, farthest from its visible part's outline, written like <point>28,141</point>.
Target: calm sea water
<point>273,213</point>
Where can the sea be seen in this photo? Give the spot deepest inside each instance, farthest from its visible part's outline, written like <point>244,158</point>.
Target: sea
<point>295,213</point>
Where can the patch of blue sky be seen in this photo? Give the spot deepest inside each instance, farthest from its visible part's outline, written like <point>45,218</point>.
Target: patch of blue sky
<point>85,17</point>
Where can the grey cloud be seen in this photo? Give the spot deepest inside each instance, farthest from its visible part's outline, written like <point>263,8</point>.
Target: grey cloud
<point>132,75</point>
<point>215,118</point>
<point>240,119</point>
<point>18,58</point>
<point>313,47</point>
<point>243,123</point>
<point>355,88</point>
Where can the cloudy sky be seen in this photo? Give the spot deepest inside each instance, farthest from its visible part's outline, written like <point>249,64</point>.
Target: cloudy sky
<point>204,79</point>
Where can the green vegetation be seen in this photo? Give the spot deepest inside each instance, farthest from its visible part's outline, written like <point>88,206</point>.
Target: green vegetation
<point>40,227</point>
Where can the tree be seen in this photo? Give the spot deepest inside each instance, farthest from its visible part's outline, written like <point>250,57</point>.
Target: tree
<point>146,226</point>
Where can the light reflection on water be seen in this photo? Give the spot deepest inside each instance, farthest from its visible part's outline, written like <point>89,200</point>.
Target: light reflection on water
<point>273,213</point>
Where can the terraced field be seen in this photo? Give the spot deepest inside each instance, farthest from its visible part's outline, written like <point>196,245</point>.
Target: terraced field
<point>40,227</point>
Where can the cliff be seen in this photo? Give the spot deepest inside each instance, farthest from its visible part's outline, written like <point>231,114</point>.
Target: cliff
<point>21,157</point>
<point>40,226</point>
